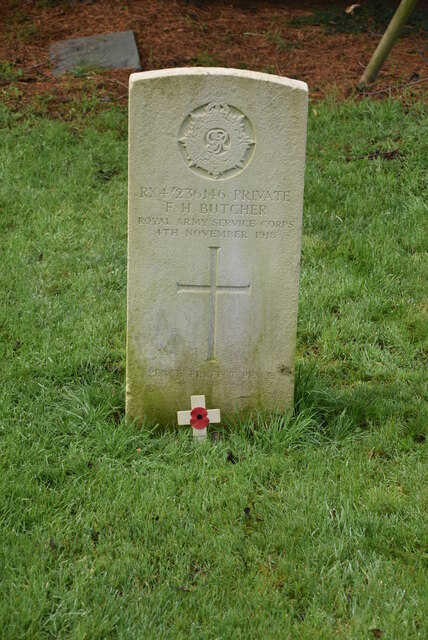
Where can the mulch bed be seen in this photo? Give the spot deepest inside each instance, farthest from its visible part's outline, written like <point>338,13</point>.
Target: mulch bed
<point>252,35</point>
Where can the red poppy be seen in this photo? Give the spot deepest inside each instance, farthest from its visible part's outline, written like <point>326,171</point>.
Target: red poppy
<point>199,418</point>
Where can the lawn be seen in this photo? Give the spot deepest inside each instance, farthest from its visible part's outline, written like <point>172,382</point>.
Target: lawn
<point>307,525</point>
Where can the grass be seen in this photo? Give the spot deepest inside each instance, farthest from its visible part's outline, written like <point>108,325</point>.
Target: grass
<point>205,59</point>
<point>84,69</point>
<point>274,35</point>
<point>305,525</point>
<point>195,22</point>
<point>8,72</point>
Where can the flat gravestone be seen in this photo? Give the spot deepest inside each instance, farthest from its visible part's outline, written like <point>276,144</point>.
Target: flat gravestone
<point>109,50</point>
<point>216,169</point>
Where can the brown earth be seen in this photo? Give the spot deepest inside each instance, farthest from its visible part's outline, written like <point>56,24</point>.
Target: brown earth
<point>175,33</point>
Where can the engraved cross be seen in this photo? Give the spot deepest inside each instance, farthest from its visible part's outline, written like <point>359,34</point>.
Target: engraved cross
<point>213,288</point>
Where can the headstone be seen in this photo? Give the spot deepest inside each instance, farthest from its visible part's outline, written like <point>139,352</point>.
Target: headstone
<point>216,168</point>
<point>109,50</point>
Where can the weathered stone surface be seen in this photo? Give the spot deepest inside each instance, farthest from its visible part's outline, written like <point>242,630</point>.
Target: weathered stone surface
<point>109,50</point>
<point>216,169</point>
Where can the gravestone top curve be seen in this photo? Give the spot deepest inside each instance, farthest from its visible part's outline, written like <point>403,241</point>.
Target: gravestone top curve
<point>217,71</point>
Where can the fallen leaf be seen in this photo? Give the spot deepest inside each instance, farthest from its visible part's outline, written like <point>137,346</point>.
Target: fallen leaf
<point>352,8</point>
<point>231,458</point>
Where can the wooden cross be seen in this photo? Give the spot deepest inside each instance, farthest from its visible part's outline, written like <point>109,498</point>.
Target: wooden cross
<point>199,417</point>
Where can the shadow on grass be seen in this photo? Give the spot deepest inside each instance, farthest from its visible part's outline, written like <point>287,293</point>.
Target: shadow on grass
<point>321,414</point>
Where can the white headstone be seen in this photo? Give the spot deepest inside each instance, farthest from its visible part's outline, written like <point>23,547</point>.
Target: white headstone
<point>216,169</point>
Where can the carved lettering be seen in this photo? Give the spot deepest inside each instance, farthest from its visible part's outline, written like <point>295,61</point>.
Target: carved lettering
<point>254,213</point>
<point>278,224</point>
<point>245,376</point>
<point>239,195</point>
<point>213,233</point>
<point>250,195</point>
<point>236,209</point>
<point>198,222</point>
<point>152,220</point>
<point>267,235</point>
<point>166,233</point>
<point>222,222</point>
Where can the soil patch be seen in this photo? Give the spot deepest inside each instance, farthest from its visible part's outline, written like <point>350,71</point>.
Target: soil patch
<point>284,38</point>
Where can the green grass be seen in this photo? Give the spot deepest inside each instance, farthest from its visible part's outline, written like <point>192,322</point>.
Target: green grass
<point>205,59</point>
<point>8,72</point>
<point>308,525</point>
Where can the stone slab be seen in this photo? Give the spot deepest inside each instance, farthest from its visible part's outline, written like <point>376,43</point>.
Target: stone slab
<point>109,50</point>
<point>216,171</point>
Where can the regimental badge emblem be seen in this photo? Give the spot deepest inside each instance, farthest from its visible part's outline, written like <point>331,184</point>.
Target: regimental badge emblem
<point>217,140</point>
